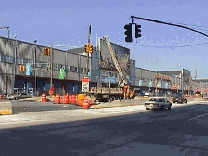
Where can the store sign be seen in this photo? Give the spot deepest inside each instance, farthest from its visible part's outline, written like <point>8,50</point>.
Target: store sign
<point>166,86</point>
<point>150,83</point>
<point>62,74</point>
<point>159,85</point>
<point>162,77</point>
<point>85,85</point>
<point>28,69</point>
<point>140,82</point>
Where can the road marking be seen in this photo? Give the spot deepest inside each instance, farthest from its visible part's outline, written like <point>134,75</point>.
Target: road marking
<point>197,117</point>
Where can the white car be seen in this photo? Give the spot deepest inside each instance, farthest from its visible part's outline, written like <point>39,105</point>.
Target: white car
<point>158,103</point>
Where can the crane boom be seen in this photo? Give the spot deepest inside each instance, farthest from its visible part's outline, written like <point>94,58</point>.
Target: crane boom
<point>115,61</point>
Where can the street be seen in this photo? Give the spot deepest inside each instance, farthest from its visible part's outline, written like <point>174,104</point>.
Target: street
<point>25,106</point>
<point>180,131</point>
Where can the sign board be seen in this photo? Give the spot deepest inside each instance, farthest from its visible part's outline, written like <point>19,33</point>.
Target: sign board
<point>28,69</point>
<point>61,74</point>
<point>85,85</point>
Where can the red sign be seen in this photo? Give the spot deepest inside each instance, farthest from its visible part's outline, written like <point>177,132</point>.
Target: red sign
<point>163,77</point>
<point>85,80</point>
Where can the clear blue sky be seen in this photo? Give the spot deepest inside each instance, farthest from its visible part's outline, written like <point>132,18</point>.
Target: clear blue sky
<point>161,47</point>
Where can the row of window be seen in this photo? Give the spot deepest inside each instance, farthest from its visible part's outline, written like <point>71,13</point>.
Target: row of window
<point>40,64</point>
<point>108,74</point>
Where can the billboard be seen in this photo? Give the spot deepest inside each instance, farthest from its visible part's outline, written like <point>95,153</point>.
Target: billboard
<point>122,55</point>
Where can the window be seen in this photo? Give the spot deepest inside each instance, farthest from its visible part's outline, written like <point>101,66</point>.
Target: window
<point>43,65</point>
<point>76,69</point>
<point>19,60</point>
<point>55,65</point>
<point>68,68</point>
<point>25,61</point>
<point>83,70</point>
<point>72,68</point>
<point>9,59</point>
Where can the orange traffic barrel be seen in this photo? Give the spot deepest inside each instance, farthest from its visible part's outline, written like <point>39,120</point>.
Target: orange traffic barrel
<point>73,99</point>
<point>86,103</point>
<point>0,97</point>
<point>44,97</point>
<point>66,99</point>
<point>57,99</point>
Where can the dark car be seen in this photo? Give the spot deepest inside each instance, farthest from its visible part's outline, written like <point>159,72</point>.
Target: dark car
<point>179,99</point>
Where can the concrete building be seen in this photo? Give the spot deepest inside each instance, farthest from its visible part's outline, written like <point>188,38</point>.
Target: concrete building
<point>14,53</point>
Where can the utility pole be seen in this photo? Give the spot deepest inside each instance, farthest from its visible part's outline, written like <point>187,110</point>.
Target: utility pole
<point>89,36</point>
<point>34,57</point>
<point>51,83</point>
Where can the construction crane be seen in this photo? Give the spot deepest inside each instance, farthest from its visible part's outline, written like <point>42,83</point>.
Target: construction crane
<point>124,81</point>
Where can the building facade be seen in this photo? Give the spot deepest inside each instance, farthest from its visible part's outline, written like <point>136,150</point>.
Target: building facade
<point>14,53</point>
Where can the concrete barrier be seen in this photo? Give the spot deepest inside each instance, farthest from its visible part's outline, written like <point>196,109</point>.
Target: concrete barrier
<point>5,108</point>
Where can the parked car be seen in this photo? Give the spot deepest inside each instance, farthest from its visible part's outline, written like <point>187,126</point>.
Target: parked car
<point>158,103</point>
<point>12,97</point>
<point>24,95</point>
<point>179,99</point>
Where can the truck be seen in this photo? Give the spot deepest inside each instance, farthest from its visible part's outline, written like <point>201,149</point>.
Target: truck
<point>123,90</point>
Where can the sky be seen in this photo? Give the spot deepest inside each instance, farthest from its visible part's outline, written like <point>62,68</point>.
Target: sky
<point>161,47</point>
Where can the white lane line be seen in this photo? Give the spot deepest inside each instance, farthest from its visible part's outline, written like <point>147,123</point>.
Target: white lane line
<point>197,117</point>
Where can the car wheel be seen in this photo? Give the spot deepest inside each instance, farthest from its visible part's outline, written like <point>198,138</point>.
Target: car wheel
<point>147,108</point>
<point>169,108</point>
<point>173,101</point>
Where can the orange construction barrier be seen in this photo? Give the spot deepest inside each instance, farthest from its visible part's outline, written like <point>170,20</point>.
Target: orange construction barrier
<point>62,99</point>
<point>73,99</point>
<point>44,97</point>
<point>66,99</point>
<point>86,103</point>
<point>57,99</point>
<point>80,99</point>
<point>0,97</point>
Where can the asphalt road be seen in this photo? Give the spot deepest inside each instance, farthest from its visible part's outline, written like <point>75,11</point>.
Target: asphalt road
<point>180,131</point>
<point>25,106</point>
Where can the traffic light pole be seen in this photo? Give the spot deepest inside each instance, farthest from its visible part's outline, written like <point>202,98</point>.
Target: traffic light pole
<point>89,36</point>
<point>51,83</point>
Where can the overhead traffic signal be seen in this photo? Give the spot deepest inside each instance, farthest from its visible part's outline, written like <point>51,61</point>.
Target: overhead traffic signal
<point>128,32</point>
<point>87,48</point>
<point>49,52</point>
<point>137,31</point>
<point>22,68</point>
<point>46,51</point>
<point>90,48</point>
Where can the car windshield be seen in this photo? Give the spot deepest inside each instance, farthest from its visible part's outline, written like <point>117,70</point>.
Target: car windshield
<point>154,99</point>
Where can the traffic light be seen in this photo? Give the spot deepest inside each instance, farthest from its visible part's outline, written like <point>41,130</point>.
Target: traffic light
<point>46,51</point>
<point>90,48</point>
<point>49,52</point>
<point>22,68</point>
<point>87,48</point>
<point>137,31</point>
<point>128,32</point>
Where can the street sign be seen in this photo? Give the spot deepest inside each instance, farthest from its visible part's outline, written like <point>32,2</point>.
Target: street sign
<point>85,85</point>
<point>62,74</point>
<point>28,69</point>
